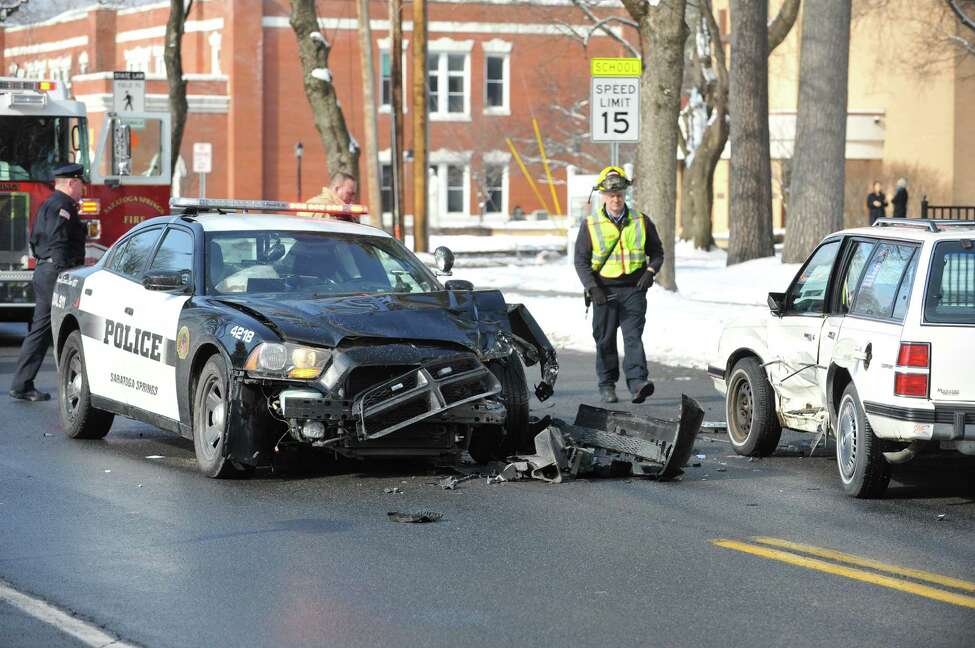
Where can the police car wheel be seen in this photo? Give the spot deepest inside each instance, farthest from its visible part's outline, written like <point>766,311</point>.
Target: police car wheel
<point>211,406</point>
<point>514,394</point>
<point>78,418</point>
<point>485,444</point>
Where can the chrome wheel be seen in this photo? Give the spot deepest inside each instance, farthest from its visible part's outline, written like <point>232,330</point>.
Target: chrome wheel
<point>846,439</point>
<point>742,408</point>
<point>213,416</point>
<point>73,381</point>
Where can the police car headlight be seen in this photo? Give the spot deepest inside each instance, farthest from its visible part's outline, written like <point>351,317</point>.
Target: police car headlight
<point>275,360</point>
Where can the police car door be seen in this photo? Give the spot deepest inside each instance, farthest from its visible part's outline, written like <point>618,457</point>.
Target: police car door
<point>111,334</point>
<point>156,317</point>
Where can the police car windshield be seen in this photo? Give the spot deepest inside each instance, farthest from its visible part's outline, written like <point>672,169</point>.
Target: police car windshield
<point>321,264</point>
<point>32,147</point>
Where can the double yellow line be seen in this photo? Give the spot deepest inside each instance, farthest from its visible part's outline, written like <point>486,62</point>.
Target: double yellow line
<point>772,548</point>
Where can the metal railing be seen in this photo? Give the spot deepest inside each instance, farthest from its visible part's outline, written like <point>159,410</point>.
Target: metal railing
<point>946,212</point>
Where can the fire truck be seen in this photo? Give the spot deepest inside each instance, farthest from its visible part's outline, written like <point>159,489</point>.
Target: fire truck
<point>127,175</point>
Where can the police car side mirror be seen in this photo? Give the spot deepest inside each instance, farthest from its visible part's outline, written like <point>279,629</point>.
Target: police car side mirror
<point>444,258</point>
<point>167,280</point>
<point>458,284</point>
<point>776,303</point>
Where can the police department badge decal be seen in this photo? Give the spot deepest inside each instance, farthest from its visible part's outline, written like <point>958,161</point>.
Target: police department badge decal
<point>183,343</point>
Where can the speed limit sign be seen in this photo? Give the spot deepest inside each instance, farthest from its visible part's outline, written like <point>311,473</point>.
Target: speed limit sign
<point>615,100</point>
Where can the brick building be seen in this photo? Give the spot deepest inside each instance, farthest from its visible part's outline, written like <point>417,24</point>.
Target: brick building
<point>493,65</point>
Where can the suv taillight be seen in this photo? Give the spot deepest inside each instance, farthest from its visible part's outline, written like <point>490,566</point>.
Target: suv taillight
<point>913,370</point>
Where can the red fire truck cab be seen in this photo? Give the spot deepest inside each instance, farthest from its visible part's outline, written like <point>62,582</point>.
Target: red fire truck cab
<point>127,175</point>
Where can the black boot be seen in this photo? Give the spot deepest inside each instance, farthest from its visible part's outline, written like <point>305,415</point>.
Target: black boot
<point>608,394</point>
<point>642,391</point>
<point>30,395</point>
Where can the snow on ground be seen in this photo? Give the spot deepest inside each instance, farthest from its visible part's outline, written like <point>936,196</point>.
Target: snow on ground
<point>682,328</point>
<point>508,243</point>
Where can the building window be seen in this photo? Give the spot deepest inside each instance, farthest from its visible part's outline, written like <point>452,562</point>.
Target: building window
<point>495,92</point>
<point>455,189</point>
<point>494,176</point>
<point>386,83</point>
<point>448,85</point>
<point>386,187</point>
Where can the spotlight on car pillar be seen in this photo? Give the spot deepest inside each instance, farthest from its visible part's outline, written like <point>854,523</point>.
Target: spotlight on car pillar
<point>445,259</point>
<point>313,430</point>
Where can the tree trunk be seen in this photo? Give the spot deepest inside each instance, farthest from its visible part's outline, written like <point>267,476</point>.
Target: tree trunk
<point>173,57</point>
<point>698,186</point>
<point>662,35</point>
<point>375,200</point>
<point>750,217</point>
<point>816,202</point>
<point>341,151</point>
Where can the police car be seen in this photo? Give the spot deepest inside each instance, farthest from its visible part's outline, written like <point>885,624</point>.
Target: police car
<point>872,342</point>
<point>246,330</point>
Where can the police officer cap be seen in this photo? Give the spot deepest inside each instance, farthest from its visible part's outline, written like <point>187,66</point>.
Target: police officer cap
<point>70,171</point>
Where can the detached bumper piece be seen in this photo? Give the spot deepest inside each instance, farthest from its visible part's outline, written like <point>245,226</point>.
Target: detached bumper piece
<point>422,393</point>
<point>605,443</point>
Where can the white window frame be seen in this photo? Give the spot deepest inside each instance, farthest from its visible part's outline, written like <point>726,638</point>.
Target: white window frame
<point>385,47</point>
<point>441,48</point>
<point>504,189</point>
<point>442,159</point>
<point>498,48</point>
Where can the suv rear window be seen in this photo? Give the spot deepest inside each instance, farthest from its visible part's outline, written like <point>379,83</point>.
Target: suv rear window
<point>950,295</point>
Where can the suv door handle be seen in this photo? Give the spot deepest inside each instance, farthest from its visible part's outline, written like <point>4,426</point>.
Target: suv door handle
<point>831,335</point>
<point>129,310</point>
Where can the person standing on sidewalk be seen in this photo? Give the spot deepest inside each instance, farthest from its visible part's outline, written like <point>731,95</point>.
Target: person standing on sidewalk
<point>876,203</point>
<point>616,258</point>
<point>57,241</point>
<point>899,200</point>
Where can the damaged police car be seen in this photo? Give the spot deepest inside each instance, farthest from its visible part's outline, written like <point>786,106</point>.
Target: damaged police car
<point>245,331</point>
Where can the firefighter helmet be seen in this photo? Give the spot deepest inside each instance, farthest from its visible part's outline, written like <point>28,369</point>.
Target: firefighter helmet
<point>612,179</point>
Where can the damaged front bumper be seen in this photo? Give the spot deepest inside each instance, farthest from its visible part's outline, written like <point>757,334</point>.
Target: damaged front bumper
<point>432,390</point>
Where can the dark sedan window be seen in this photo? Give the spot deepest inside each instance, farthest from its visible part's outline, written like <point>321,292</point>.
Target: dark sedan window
<point>131,260</point>
<point>318,262</point>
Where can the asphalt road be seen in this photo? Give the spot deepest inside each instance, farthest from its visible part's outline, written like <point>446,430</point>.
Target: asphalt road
<point>157,554</point>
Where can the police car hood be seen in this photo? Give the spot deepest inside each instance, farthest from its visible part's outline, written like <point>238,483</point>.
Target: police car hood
<point>467,318</point>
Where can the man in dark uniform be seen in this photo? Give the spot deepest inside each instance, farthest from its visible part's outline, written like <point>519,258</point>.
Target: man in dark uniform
<point>617,254</point>
<point>57,241</point>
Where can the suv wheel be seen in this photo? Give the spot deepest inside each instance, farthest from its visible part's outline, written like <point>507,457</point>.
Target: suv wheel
<point>863,469</point>
<point>753,427</point>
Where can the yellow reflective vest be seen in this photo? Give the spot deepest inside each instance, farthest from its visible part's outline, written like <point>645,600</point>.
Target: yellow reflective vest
<point>609,259</point>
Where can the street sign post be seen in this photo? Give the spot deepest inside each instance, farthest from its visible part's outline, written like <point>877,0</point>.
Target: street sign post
<point>614,102</point>
<point>128,92</point>
<point>203,163</point>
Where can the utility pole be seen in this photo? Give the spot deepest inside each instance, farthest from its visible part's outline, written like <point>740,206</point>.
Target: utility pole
<point>421,241</point>
<point>375,199</point>
<point>396,92</point>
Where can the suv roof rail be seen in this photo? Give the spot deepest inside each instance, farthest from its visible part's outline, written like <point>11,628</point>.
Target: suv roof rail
<point>930,224</point>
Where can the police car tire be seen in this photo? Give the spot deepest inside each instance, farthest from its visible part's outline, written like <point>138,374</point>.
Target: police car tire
<point>212,381</point>
<point>485,444</point>
<point>79,419</point>
<point>750,397</point>
<point>514,395</point>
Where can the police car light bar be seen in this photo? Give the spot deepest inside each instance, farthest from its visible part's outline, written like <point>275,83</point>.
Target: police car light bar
<point>14,83</point>
<point>226,204</point>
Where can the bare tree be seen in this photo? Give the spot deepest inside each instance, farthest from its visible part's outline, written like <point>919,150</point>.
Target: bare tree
<point>750,217</point>
<point>173,56</point>
<point>662,35</point>
<point>819,158</point>
<point>341,149</point>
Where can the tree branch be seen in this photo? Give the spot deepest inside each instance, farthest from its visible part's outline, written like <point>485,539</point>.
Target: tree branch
<point>9,8</point>
<point>636,8</point>
<point>186,12</point>
<point>779,28</point>
<point>601,25</point>
<point>965,20</point>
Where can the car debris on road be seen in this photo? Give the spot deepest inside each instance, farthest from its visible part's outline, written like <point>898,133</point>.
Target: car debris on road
<point>418,517</point>
<point>607,443</point>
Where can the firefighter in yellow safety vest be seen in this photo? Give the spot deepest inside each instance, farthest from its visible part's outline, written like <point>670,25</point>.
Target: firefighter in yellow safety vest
<point>617,254</point>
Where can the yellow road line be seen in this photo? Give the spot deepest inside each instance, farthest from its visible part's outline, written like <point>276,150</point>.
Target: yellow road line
<point>839,556</point>
<point>849,572</point>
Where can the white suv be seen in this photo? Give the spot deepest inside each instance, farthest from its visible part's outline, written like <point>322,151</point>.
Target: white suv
<point>873,341</point>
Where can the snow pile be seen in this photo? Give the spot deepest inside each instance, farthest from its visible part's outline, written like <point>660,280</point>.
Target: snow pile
<point>322,74</point>
<point>682,328</point>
